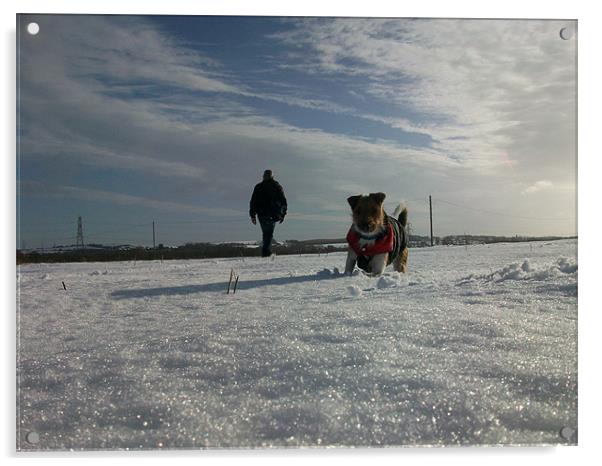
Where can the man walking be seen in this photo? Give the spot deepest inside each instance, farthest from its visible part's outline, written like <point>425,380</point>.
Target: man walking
<point>269,205</point>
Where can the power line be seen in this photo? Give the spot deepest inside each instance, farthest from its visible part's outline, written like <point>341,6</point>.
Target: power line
<point>186,222</point>
<point>129,231</point>
<point>497,213</point>
<point>113,230</point>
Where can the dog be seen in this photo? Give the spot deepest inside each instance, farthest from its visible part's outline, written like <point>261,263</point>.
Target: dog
<point>376,239</point>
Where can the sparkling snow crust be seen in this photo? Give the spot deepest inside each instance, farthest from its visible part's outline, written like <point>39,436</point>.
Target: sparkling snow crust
<point>475,345</point>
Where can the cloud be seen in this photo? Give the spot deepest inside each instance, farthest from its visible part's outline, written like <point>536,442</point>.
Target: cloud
<point>132,50</point>
<point>80,105</point>
<point>32,188</point>
<point>538,186</point>
<point>481,88</point>
<point>81,108</point>
<point>124,95</point>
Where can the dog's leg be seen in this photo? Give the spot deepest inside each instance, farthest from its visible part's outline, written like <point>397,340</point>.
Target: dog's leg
<point>351,260</point>
<point>397,264</point>
<point>401,263</point>
<point>379,263</point>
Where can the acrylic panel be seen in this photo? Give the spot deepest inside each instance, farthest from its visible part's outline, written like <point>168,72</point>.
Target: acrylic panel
<point>172,294</point>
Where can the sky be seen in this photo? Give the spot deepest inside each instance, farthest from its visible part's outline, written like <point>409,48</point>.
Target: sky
<point>126,120</point>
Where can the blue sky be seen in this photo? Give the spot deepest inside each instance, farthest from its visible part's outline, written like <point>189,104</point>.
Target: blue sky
<point>129,119</point>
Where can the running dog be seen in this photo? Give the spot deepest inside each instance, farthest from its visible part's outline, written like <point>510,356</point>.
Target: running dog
<point>376,239</point>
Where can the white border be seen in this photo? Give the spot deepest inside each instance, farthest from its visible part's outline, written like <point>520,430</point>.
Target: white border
<point>439,8</point>
<point>589,228</point>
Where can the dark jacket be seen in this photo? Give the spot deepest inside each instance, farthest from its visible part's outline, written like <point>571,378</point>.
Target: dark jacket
<point>268,200</point>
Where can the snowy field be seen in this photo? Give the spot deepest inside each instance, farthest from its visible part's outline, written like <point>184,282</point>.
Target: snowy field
<point>475,345</point>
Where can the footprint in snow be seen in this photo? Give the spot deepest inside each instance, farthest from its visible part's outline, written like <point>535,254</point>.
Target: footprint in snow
<point>327,273</point>
<point>387,282</point>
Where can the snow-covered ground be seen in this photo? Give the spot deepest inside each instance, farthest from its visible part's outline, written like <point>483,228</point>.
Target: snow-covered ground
<point>475,345</point>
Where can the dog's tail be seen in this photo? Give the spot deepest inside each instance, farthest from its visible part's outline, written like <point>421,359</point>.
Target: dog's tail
<point>401,214</point>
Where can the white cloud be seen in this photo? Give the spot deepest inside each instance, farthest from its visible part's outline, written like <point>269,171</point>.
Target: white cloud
<point>98,123</point>
<point>79,106</point>
<point>538,186</point>
<point>487,91</point>
<point>497,102</point>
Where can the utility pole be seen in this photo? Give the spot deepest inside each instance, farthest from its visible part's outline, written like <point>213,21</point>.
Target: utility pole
<point>431,215</point>
<point>154,234</point>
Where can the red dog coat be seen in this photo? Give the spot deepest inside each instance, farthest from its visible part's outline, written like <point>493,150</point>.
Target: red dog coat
<point>383,242</point>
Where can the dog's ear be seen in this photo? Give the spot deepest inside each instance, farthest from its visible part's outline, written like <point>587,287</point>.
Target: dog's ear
<point>378,197</point>
<point>353,200</point>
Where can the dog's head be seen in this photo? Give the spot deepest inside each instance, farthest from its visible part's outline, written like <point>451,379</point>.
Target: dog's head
<point>368,212</point>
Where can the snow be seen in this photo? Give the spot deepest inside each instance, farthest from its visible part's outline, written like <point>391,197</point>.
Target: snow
<point>474,345</point>
<point>354,290</point>
<point>525,271</point>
